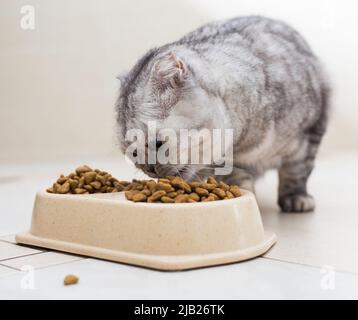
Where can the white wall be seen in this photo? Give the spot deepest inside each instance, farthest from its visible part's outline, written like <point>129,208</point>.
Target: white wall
<point>57,82</point>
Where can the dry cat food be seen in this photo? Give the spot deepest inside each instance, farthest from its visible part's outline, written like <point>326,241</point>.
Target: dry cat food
<point>86,180</point>
<point>70,279</point>
<point>170,189</point>
<point>176,190</point>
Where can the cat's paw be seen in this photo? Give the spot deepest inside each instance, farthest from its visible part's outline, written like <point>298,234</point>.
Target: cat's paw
<point>296,203</point>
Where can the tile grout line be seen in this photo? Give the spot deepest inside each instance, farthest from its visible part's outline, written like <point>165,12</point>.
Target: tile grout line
<point>9,267</point>
<point>25,255</point>
<point>40,249</point>
<point>7,241</point>
<point>48,266</point>
<point>308,265</point>
<point>41,252</point>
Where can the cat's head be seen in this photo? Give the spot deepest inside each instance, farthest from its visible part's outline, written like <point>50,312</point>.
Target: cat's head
<point>163,87</point>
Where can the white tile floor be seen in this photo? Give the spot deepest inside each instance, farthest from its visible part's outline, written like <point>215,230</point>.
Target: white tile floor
<point>11,251</point>
<point>8,238</point>
<point>4,271</point>
<point>37,261</point>
<point>316,255</point>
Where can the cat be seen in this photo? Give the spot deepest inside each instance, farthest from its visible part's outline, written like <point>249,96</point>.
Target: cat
<point>253,74</point>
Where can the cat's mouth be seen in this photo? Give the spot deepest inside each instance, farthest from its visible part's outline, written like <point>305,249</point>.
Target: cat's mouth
<point>160,171</point>
<point>187,172</point>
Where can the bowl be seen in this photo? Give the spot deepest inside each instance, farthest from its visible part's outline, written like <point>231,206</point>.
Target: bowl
<point>162,236</point>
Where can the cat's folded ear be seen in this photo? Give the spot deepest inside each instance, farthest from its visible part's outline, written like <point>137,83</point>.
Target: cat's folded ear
<point>169,71</point>
<point>122,78</point>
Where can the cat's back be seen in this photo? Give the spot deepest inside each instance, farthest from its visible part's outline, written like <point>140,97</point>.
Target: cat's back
<point>252,31</point>
<point>218,29</point>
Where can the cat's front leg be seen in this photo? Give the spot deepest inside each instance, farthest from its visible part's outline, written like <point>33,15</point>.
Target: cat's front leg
<point>293,176</point>
<point>241,177</point>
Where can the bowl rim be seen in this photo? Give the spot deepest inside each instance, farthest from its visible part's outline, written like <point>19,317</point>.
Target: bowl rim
<point>101,197</point>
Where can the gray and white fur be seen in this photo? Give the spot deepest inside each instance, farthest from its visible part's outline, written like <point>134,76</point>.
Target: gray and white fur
<point>255,75</point>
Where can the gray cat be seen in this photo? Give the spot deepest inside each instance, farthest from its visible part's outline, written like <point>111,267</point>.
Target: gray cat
<point>255,75</point>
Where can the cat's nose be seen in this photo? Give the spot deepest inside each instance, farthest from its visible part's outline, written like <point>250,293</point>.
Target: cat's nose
<point>150,168</point>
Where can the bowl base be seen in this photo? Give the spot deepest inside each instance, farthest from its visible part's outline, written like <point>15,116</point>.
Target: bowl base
<point>159,262</point>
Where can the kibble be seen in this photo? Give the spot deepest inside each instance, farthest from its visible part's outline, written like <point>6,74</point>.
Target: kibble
<point>181,184</point>
<point>165,186</point>
<point>210,198</point>
<point>213,195</point>
<point>129,194</point>
<point>139,197</point>
<point>212,180</point>
<point>157,195</point>
<point>229,195</point>
<point>70,280</point>
<point>208,186</point>
<point>146,192</point>
<point>195,184</point>
<point>90,176</point>
<point>64,188</point>
<point>86,180</point>
<point>219,192</point>
<point>83,169</point>
<point>172,194</point>
<point>194,196</point>
<point>224,186</point>
<point>181,198</point>
<point>169,189</point>
<point>80,191</point>
<point>96,185</point>
<point>166,199</point>
<point>235,190</point>
<point>201,191</point>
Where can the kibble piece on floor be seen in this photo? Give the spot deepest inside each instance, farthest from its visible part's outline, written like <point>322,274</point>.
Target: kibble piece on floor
<point>70,279</point>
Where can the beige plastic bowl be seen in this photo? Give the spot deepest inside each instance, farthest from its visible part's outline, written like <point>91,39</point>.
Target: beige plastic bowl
<point>155,235</point>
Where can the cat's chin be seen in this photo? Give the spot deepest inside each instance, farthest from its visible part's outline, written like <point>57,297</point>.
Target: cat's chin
<point>151,174</point>
<point>161,171</point>
<point>189,175</point>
